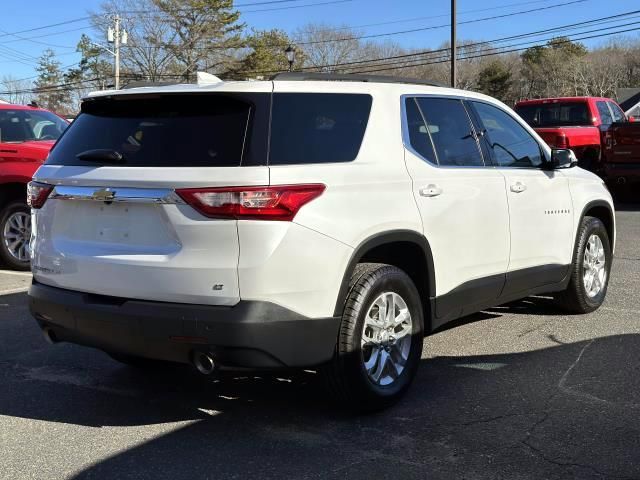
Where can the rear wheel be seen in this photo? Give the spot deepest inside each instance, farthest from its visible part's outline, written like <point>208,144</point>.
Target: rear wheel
<point>590,269</point>
<point>15,227</point>
<point>380,341</point>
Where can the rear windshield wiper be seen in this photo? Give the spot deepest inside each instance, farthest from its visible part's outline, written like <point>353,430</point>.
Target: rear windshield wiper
<point>101,155</point>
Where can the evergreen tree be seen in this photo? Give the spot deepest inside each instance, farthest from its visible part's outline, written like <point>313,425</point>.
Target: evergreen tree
<point>51,91</point>
<point>495,80</point>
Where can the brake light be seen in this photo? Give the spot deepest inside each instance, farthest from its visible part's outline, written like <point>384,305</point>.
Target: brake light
<point>276,202</point>
<point>562,141</point>
<point>37,194</point>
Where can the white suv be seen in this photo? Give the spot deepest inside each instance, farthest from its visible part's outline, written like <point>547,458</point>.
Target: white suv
<point>308,221</point>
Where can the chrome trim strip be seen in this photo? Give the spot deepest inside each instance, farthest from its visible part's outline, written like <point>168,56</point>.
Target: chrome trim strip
<point>117,194</point>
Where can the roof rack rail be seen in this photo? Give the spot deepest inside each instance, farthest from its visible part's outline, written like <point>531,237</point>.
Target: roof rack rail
<point>352,77</point>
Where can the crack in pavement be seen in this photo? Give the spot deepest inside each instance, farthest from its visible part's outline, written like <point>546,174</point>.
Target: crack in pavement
<point>530,433</point>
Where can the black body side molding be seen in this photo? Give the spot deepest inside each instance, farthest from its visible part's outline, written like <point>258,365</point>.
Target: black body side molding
<point>378,240</point>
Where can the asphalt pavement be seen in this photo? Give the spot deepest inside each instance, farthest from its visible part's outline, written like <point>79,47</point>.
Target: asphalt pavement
<point>520,391</point>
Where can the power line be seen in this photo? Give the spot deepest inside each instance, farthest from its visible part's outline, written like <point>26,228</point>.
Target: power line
<point>289,7</point>
<point>385,67</point>
<point>434,27</point>
<point>352,38</point>
<point>561,28</point>
<point>75,20</point>
<point>51,88</point>
<point>431,17</point>
<point>501,52</point>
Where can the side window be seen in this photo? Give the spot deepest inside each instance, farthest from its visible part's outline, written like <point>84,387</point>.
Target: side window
<point>618,114</point>
<point>510,143</point>
<point>605,114</point>
<point>418,133</point>
<point>451,132</point>
<point>317,127</point>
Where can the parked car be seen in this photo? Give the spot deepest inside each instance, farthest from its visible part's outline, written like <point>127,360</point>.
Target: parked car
<point>312,221</point>
<point>596,129</point>
<point>26,136</point>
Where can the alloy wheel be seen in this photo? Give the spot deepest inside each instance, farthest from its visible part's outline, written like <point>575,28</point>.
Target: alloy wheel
<point>386,338</point>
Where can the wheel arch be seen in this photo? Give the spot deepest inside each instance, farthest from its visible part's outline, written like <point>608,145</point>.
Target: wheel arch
<point>13,190</point>
<point>601,210</point>
<point>406,249</point>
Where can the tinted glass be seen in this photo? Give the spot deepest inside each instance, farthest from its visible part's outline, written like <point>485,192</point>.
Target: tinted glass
<point>162,131</point>
<point>605,114</point>
<point>451,132</point>
<point>618,114</point>
<point>555,114</point>
<point>30,125</point>
<point>418,132</point>
<point>317,127</point>
<point>510,143</point>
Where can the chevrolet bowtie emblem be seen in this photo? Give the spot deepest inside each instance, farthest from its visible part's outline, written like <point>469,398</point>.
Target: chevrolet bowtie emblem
<point>104,195</point>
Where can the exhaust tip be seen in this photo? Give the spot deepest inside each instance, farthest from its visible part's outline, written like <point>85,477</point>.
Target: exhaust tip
<point>49,336</point>
<point>204,363</point>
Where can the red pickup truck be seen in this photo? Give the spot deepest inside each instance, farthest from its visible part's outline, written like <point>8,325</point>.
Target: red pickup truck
<point>595,128</point>
<point>26,136</point>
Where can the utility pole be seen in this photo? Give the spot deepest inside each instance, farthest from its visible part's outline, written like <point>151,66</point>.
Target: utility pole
<point>117,36</point>
<point>454,50</point>
<point>116,48</point>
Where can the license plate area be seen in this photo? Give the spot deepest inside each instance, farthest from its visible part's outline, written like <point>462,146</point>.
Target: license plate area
<point>113,223</point>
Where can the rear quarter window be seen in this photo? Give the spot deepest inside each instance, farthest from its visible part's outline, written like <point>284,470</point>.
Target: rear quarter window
<point>211,130</point>
<point>317,127</point>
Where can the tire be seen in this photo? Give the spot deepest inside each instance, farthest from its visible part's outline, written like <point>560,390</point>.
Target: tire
<point>15,226</point>
<point>578,298</point>
<point>354,385</point>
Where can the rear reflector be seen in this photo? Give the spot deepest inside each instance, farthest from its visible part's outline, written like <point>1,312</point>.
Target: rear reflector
<point>562,141</point>
<point>37,194</point>
<point>276,202</point>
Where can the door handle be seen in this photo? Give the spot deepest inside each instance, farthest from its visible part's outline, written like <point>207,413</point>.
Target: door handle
<point>430,190</point>
<point>518,187</point>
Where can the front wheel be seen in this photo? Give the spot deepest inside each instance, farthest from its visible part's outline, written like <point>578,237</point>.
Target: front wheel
<point>590,269</point>
<point>380,341</point>
<point>15,227</point>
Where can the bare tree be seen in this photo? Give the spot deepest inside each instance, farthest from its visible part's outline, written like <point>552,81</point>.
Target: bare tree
<point>145,55</point>
<point>15,90</point>
<point>325,46</point>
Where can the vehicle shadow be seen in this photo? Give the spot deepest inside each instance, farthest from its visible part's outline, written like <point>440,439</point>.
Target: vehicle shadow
<point>571,410</point>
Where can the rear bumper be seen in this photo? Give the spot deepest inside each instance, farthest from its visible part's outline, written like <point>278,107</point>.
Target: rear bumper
<point>250,334</point>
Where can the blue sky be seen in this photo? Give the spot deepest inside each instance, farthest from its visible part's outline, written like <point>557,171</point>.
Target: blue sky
<point>17,56</point>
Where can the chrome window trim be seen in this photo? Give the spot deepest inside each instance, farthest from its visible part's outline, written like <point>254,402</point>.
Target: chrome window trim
<point>405,130</point>
<point>117,194</point>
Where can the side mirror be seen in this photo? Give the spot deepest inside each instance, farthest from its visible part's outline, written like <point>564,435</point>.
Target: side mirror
<point>563,158</point>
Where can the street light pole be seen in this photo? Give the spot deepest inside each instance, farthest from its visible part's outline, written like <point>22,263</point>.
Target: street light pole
<point>454,50</point>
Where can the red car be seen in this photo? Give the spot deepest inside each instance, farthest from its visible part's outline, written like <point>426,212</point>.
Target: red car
<point>26,135</point>
<point>595,128</point>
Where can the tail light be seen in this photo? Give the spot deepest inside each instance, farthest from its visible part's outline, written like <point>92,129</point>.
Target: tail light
<point>562,141</point>
<point>276,202</point>
<point>37,194</point>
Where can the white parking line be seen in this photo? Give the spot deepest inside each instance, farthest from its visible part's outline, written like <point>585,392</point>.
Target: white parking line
<point>11,272</point>
<point>11,291</point>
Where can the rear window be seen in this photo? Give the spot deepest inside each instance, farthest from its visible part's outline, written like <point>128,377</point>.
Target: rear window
<point>555,114</point>
<point>169,131</point>
<point>317,127</point>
